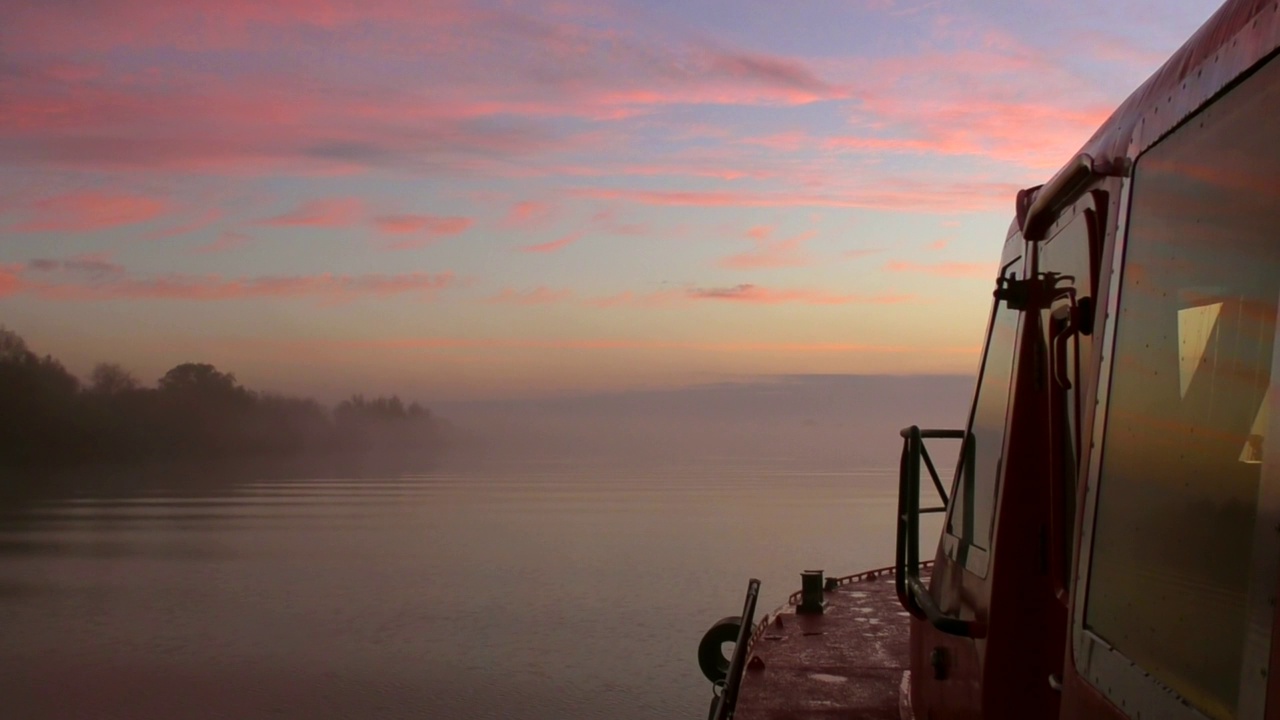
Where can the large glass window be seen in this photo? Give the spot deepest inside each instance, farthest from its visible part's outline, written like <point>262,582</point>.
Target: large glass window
<point>974,493</point>
<point>1171,582</point>
<point>1065,343</point>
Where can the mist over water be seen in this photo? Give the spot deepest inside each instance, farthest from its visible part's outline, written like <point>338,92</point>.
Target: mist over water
<point>826,421</point>
<point>567,572</point>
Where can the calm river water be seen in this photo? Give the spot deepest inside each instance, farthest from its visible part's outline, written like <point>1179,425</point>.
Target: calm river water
<point>536,592</point>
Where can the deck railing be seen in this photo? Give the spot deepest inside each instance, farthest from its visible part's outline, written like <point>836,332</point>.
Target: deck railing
<point>727,702</point>
<point>912,593</point>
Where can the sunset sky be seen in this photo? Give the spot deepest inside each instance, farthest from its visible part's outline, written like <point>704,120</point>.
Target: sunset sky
<point>465,199</point>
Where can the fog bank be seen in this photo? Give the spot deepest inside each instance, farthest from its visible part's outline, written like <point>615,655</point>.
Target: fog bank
<point>820,421</point>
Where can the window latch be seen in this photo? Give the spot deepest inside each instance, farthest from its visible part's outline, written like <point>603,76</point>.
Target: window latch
<point>1032,293</point>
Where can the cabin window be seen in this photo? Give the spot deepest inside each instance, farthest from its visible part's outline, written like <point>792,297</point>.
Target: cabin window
<point>978,472</point>
<point>1066,343</point>
<point>1180,583</point>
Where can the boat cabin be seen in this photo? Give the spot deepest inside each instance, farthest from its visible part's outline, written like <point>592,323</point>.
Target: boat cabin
<point>1112,535</point>
<point>1110,546</point>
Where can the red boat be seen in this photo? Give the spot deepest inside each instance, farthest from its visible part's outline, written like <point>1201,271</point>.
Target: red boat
<point>1110,545</point>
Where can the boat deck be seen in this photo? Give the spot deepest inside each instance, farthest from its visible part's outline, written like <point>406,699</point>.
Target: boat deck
<point>847,662</point>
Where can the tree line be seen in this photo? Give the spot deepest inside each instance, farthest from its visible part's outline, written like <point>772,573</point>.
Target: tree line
<point>48,416</point>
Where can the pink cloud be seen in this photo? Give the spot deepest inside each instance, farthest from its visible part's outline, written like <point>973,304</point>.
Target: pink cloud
<point>227,240</point>
<point>1118,49</point>
<point>527,214</point>
<point>10,280</point>
<point>985,271</point>
<point>221,26</point>
<point>454,343</point>
<point>627,299</point>
<point>536,296</point>
<point>73,73</point>
<point>771,253</point>
<point>94,267</point>
<point>745,293</point>
<point>91,279</point>
<point>630,299</point>
<point>860,253</point>
<point>1031,134</point>
<point>185,118</point>
<point>553,246</point>
<point>185,121</point>
<point>888,195</point>
<point>627,90</point>
<point>727,169</point>
<point>990,97</point>
<point>789,142</point>
<point>200,221</point>
<point>332,212</point>
<point>776,72</point>
<point>712,198</point>
<point>939,244</point>
<point>206,116</point>
<point>426,229</point>
<point>90,211</point>
<point>748,293</point>
<point>430,224</point>
<point>606,222</point>
<point>580,53</point>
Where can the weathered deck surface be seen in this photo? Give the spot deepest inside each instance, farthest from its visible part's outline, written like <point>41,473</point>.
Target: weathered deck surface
<point>846,663</point>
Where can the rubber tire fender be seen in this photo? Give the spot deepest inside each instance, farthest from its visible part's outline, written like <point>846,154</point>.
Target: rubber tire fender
<point>711,659</point>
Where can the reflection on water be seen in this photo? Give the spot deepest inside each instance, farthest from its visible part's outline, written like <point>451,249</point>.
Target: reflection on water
<point>545,592</point>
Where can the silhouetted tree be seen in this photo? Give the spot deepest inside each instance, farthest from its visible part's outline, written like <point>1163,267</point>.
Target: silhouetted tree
<point>13,348</point>
<point>200,380</point>
<point>111,379</point>
<point>38,420</point>
<point>195,412</point>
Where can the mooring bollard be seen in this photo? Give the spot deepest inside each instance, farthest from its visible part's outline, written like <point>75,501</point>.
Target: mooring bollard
<point>811,602</point>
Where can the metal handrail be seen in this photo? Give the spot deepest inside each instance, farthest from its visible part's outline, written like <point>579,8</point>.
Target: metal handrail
<point>728,700</point>
<point>913,453</point>
<point>912,593</point>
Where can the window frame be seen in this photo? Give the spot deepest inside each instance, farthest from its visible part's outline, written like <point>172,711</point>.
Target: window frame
<point>1089,210</point>
<point>960,549</point>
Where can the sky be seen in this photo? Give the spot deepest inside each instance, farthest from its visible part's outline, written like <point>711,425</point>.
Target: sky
<point>460,200</point>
